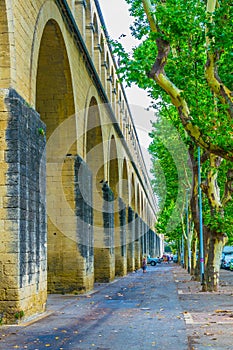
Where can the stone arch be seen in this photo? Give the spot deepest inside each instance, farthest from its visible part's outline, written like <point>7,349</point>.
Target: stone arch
<point>107,61</point>
<point>122,113</point>
<point>131,226</point>
<point>111,87</point>
<point>102,58</point>
<point>138,228</point>
<point>96,28</point>
<point>90,29</point>
<point>117,103</point>
<point>53,71</point>
<point>113,77</point>
<point>125,121</point>
<point>56,106</point>
<point>95,161</point>
<point>125,183</point>
<point>48,12</point>
<point>94,144</point>
<point>142,199</point>
<point>138,200</point>
<point>88,12</point>
<point>119,210</point>
<point>108,76</point>
<point>113,168</point>
<point>96,43</point>
<point>132,192</point>
<point>80,16</point>
<point>125,228</point>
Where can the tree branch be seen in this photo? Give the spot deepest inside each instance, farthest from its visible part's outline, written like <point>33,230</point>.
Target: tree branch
<point>150,16</point>
<point>211,70</point>
<point>210,187</point>
<point>158,74</point>
<point>227,196</point>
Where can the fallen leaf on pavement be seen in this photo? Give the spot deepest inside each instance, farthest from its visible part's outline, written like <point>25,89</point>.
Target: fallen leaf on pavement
<point>223,311</point>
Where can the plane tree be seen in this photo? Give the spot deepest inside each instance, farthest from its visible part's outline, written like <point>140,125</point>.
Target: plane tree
<point>184,59</point>
<point>175,182</point>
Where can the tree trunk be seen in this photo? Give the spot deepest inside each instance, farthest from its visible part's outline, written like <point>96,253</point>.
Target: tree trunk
<point>194,253</point>
<point>195,218</point>
<point>186,254</point>
<point>214,243</point>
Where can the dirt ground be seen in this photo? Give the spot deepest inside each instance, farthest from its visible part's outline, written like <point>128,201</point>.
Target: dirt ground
<point>208,316</point>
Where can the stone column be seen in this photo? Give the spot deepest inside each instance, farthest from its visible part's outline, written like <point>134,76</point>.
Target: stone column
<point>105,252</point>
<point>120,240</point>
<point>143,239</point>
<point>146,239</point>
<point>131,240</point>
<point>70,231</point>
<point>23,271</point>
<point>84,213</point>
<point>80,16</point>
<point>137,244</point>
<point>152,243</point>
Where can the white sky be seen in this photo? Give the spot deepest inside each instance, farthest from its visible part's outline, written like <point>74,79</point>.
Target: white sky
<point>117,20</point>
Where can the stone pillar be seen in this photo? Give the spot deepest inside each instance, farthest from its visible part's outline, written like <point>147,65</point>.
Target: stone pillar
<point>158,250</point>
<point>143,241</point>
<point>80,16</point>
<point>120,240</point>
<point>152,243</point>
<point>85,235</point>
<point>89,38</point>
<point>70,236</point>
<point>97,57</point>
<point>105,252</point>
<point>23,256</point>
<point>137,244</point>
<point>131,240</point>
<point>147,238</point>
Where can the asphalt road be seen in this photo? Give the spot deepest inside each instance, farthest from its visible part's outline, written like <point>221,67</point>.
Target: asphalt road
<point>136,312</point>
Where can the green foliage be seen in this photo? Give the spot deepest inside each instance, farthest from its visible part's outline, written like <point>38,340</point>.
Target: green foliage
<point>192,34</point>
<point>184,24</point>
<point>167,249</point>
<point>171,172</point>
<point>218,221</point>
<point>41,131</point>
<point>19,314</point>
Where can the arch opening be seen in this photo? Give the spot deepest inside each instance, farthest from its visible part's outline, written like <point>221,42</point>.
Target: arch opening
<point>95,161</point>
<point>55,104</point>
<point>125,183</point>
<point>113,168</point>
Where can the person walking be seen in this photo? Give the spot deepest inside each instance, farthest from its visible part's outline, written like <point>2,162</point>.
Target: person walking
<point>144,265</point>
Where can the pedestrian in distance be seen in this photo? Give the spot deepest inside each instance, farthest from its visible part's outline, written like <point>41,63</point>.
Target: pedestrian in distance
<point>144,265</point>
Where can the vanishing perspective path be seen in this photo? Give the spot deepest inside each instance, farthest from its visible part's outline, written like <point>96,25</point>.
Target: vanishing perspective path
<point>160,309</point>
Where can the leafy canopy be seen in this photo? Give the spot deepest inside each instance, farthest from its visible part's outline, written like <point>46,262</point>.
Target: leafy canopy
<point>184,53</point>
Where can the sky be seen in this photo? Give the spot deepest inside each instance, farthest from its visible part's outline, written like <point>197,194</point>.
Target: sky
<point>118,20</point>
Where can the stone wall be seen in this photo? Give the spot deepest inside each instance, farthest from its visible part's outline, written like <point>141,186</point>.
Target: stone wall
<point>23,255</point>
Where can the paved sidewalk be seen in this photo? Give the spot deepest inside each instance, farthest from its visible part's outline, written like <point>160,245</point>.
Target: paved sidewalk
<point>162,309</point>
<point>208,316</point>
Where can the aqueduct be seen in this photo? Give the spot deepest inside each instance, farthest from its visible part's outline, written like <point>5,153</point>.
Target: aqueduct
<point>76,204</point>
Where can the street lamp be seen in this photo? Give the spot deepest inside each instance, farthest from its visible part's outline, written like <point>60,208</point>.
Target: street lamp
<point>202,260</point>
